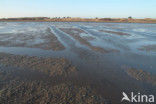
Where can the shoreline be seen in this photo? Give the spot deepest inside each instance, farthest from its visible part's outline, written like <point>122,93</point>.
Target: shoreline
<point>100,20</point>
<point>82,22</point>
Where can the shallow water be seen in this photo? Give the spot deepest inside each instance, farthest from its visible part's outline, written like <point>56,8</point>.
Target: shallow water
<point>130,55</point>
<point>106,65</point>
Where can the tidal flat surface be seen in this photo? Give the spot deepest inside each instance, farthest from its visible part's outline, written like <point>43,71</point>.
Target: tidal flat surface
<point>76,62</point>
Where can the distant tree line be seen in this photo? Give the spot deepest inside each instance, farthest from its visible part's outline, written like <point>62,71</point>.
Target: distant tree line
<point>28,18</point>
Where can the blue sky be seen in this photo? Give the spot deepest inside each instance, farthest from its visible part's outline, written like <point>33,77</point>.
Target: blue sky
<point>78,8</point>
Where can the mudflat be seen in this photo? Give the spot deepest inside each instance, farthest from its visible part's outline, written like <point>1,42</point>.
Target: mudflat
<point>75,62</point>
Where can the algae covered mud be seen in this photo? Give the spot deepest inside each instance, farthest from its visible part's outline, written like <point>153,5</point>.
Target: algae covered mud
<point>75,62</point>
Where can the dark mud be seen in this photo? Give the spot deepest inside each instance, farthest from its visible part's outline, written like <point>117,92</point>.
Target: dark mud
<point>53,67</point>
<point>142,76</point>
<point>36,80</point>
<point>18,91</point>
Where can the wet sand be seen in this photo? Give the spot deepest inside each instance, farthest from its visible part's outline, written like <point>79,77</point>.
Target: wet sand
<point>73,62</point>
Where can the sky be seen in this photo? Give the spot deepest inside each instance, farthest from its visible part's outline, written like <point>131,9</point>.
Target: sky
<point>78,8</point>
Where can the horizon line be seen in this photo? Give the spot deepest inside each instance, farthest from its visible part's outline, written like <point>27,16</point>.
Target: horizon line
<point>76,17</point>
